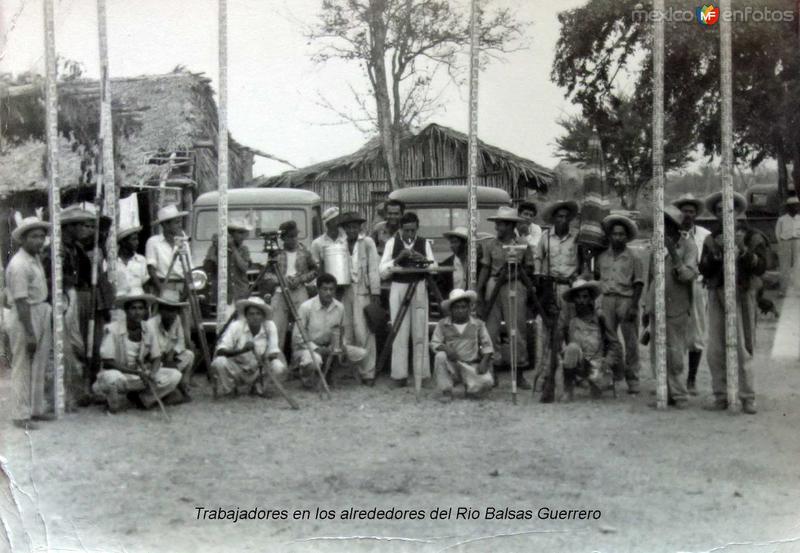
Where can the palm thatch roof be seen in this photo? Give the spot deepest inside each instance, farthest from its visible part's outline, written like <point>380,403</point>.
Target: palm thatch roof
<point>491,158</point>
<point>153,115</point>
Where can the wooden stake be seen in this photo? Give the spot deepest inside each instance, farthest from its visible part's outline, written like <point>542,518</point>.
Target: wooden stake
<point>658,209</point>
<point>728,221</point>
<point>54,196</point>
<point>107,139</point>
<point>472,147</point>
<point>222,168</point>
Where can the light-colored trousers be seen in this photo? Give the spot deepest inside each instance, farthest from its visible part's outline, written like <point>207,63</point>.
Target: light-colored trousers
<point>614,308</point>
<point>242,370</point>
<point>501,313</point>
<point>112,385</point>
<point>698,315</point>
<point>677,344</point>
<point>303,361</point>
<point>280,311</point>
<point>448,374</point>
<point>413,327</point>
<point>28,372</point>
<point>184,361</point>
<point>715,351</point>
<point>356,331</point>
<point>787,260</point>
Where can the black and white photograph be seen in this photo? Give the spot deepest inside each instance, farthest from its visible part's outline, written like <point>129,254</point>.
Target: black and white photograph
<point>400,276</point>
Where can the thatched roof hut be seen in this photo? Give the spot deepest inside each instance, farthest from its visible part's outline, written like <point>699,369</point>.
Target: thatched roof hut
<point>154,116</point>
<point>436,155</point>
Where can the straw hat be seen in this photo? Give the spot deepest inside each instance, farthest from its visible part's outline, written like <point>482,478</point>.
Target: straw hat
<point>739,202</point>
<point>550,211</point>
<point>254,301</point>
<point>236,224</point>
<point>136,294</point>
<point>75,214</point>
<point>330,214</point>
<point>592,285</point>
<point>792,200</point>
<point>171,298</point>
<point>168,213</point>
<point>506,214</point>
<point>350,217</point>
<point>689,199</point>
<point>28,223</point>
<point>123,233</point>
<point>673,213</point>
<point>458,294</point>
<point>458,232</point>
<point>615,219</point>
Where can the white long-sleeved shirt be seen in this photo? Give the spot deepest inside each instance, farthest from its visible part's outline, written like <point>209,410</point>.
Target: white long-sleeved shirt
<point>387,261</point>
<point>787,227</point>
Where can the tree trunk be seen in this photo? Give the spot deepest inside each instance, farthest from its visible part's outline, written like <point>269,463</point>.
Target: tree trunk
<point>796,166</point>
<point>389,135</point>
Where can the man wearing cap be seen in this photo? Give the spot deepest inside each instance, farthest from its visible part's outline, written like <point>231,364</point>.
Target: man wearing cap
<point>787,231</point>
<point>238,260</point>
<point>457,239</point>
<point>297,266</point>
<point>494,275</point>
<point>751,262</point>
<point>364,290</point>
<point>167,328</point>
<point>333,235</point>
<point>691,208</point>
<point>249,345</point>
<point>591,349</point>
<point>29,324</point>
<point>462,348</point>
<point>132,358</point>
<point>680,272</point>
<point>322,320</point>
<point>620,272</point>
<point>406,249</point>
<point>527,229</point>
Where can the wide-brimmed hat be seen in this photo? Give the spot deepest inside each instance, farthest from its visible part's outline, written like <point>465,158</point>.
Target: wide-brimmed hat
<point>123,233</point>
<point>739,202</point>
<point>674,214</point>
<point>330,214</point>
<point>170,298</point>
<point>616,219</point>
<point>458,294</point>
<point>254,301</point>
<point>792,200</point>
<point>168,213</point>
<point>506,214</point>
<point>689,199</point>
<point>550,211</point>
<point>237,224</point>
<point>136,294</point>
<point>76,214</point>
<point>592,285</point>
<point>458,232</point>
<point>27,224</point>
<point>350,217</point>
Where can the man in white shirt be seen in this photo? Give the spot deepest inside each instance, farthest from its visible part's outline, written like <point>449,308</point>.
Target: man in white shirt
<point>691,208</point>
<point>528,230</point>
<point>333,235</point>
<point>131,273</point>
<point>787,231</point>
<point>167,328</point>
<point>407,249</point>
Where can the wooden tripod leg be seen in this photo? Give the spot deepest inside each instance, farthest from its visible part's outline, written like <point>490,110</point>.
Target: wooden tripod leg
<point>278,386</point>
<point>401,313</point>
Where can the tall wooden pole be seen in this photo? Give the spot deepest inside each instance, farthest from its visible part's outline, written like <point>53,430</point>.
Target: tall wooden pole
<point>472,147</point>
<point>728,222</point>
<point>222,168</point>
<point>54,193</point>
<point>107,138</point>
<point>658,209</point>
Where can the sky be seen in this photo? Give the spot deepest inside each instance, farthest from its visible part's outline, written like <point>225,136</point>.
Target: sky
<point>274,86</point>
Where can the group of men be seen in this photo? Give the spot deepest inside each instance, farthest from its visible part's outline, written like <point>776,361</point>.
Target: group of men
<point>144,354</point>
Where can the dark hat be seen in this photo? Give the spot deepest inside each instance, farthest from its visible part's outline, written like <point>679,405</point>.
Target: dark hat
<point>287,226</point>
<point>377,317</point>
<point>350,217</point>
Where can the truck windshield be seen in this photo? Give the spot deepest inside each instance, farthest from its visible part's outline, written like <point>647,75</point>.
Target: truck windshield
<point>262,219</point>
<point>433,221</point>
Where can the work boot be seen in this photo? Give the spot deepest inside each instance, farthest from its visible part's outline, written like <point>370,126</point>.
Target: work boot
<point>717,405</point>
<point>749,407</point>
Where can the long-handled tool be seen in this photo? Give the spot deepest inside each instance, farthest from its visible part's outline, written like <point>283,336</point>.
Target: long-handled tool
<point>194,307</point>
<point>278,386</point>
<point>405,303</point>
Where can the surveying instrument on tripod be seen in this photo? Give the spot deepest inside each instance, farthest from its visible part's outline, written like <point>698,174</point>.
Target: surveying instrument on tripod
<point>514,274</point>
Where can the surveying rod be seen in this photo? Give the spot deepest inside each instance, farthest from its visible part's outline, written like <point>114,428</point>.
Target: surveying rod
<point>472,148</point>
<point>222,168</point>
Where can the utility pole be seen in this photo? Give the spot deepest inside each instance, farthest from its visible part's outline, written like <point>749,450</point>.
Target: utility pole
<point>472,147</point>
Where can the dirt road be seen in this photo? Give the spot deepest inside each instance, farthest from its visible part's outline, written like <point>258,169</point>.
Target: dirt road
<point>662,481</point>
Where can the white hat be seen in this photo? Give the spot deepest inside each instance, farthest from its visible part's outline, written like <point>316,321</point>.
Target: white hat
<point>28,223</point>
<point>616,219</point>
<point>169,212</point>
<point>75,214</point>
<point>170,298</point>
<point>236,224</point>
<point>123,233</point>
<point>458,294</point>
<point>507,214</point>
<point>254,301</point>
<point>458,232</point>
<point>592,285</point>
<point>792,200</point>
<point>330,214</point>
<point>136,294</point>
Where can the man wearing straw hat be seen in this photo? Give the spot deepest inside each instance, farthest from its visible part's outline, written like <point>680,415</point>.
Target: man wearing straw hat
<point>29,323</point>
<point>494,274</point>
<point>591,349</point>
<point>680,272</point>
<point>333,235</point>
<point>621,274</point>
<point>462,348</point>
<point>250,343</point>
<point>167,328</point>
<point>787,231</point>
<point>131,270</point>
<point>691,208</point>
<point>751,262</point>
<point>238,260</point>
<point>132,358</point>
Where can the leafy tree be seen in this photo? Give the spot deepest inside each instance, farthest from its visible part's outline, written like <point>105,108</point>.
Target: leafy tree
<point>403,45</point>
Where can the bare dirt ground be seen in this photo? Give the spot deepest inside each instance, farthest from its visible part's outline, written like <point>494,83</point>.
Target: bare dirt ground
<point>664,481</point>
